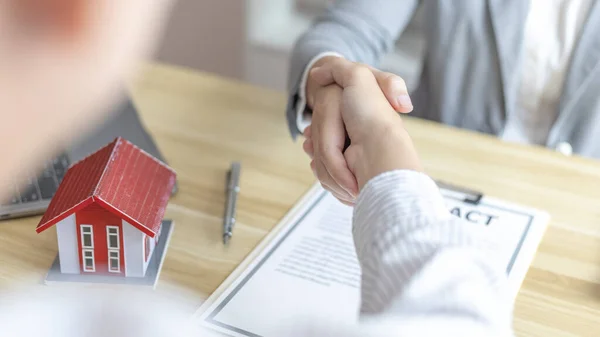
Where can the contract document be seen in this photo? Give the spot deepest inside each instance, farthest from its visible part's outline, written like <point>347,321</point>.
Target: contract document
<point>307,265</point>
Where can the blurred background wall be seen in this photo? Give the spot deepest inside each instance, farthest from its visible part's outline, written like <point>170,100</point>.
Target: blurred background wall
<point>251,40</point>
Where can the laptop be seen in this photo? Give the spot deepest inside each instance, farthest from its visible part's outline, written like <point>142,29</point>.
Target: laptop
<point>34,195</point>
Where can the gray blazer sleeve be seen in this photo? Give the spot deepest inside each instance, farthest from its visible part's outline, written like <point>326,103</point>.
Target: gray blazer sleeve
<point>361,30</point>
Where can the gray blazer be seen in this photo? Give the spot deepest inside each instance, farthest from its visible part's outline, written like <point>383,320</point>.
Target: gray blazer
<point>471,69</point>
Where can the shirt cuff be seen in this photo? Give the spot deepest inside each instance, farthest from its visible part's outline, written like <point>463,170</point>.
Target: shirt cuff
<point>303,117</point>
<point>398,198</point>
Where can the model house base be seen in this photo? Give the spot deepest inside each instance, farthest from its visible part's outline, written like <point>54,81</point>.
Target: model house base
<point>152,272</point>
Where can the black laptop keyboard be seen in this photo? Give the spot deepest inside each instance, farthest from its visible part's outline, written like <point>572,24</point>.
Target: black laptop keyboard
<point>43,186</point>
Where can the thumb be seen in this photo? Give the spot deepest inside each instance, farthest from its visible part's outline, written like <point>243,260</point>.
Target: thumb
<point>394,89</point>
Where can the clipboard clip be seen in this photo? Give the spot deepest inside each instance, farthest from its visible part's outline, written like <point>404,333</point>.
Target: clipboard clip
<point>471,196</point>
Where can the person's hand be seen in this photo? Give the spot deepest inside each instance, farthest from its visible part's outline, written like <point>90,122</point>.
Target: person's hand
<point>325,144</point>
<point>326,136</point>
<point>378,140</point>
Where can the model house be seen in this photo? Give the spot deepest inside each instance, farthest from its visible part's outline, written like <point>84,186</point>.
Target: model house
<point>108,212</point>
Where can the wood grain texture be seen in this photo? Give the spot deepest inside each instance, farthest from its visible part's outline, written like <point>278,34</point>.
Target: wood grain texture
<point>202,123</point>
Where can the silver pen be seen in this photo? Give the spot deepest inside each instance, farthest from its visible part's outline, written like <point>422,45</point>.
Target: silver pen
<point>233,188</point>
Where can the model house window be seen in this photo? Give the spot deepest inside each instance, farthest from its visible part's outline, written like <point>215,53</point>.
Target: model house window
<point>112,235</point>
<point>114,265</point>
<point>113,244</point>
<point>88,260</point>
<point>87,236</point>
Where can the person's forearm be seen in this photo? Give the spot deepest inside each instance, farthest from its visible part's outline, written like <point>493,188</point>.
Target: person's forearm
<point>419,262</point>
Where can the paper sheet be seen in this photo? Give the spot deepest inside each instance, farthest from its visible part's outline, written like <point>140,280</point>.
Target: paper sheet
<point>309,265</point>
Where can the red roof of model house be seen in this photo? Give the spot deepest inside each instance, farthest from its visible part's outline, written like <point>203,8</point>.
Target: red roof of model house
<point>120,177</point>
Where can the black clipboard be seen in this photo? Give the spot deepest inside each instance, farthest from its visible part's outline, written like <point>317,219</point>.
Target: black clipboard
<point>471,197</point>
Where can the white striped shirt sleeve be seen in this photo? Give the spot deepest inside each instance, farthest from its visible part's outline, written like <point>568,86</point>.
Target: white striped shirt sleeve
<point>422,266</point>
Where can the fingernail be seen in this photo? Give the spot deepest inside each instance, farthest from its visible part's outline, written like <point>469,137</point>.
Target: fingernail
<point>352,193</point>
<point>404,101</point>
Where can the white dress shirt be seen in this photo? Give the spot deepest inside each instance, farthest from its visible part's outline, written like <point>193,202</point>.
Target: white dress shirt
<point>552,30</point>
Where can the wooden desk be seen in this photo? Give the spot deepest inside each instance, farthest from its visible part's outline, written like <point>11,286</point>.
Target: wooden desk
<point>203,122</point>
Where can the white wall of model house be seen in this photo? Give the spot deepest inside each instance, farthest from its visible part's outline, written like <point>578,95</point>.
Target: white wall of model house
<point>68,251</point>
<point>135,251</point>
<point>133,242</point>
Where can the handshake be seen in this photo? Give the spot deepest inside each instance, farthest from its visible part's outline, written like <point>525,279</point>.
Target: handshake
<point>357,102</point>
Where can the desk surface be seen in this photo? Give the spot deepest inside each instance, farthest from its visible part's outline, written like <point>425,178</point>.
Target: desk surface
<point>202,123</point>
